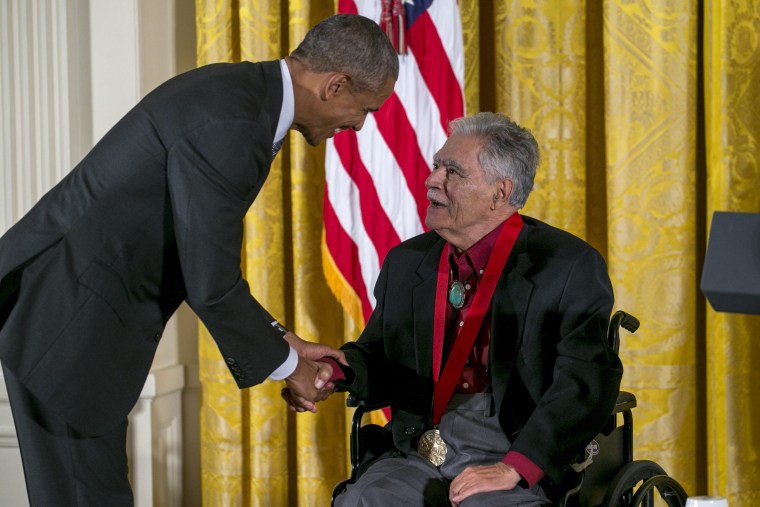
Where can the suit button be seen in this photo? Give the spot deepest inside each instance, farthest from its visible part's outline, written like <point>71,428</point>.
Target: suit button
<point>157,336</point>
<point>230,361</point>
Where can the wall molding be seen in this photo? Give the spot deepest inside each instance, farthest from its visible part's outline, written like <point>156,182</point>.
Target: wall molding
<point>154,441</point>
<point>37,134</point>
<point>69,69</point>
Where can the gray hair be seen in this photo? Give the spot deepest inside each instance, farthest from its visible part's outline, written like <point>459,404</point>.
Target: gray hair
<point>509,151</point>
<point>352,44</point>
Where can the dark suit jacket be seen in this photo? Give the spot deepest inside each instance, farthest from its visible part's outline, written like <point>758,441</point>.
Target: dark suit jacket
<point>152,216</point>
<point>554,377</point>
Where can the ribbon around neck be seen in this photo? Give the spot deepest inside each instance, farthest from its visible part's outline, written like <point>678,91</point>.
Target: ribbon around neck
<point>446,381</point>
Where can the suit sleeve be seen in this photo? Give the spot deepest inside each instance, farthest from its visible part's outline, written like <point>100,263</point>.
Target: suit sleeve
<point>213,174</point>
<point>586,374</point>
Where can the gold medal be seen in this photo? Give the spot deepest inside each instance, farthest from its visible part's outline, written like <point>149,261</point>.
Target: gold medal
<point>432,447</point>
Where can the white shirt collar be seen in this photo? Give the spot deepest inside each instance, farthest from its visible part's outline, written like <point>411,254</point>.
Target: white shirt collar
<point>288,103</point>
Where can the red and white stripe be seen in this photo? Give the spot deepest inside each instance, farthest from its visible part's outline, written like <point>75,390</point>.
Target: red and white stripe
<point>375,195</point>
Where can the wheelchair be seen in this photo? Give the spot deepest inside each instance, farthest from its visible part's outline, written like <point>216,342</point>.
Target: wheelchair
<point>609,476</point>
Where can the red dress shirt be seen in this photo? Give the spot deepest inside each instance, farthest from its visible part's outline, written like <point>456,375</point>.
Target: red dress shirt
<point>468,268</point>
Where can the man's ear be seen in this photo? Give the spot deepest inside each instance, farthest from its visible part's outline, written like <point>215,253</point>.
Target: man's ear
<point>335,84</point>
<point>502,192</point>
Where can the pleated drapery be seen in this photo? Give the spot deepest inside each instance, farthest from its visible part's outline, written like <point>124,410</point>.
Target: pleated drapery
<point>253,451</point>
<point>647,113</point>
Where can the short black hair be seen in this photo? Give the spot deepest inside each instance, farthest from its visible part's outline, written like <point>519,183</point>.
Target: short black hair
<point>351,44</point>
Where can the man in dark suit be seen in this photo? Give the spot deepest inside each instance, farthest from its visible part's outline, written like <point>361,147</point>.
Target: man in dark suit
<point>152,216</point>
<point>488,338</point>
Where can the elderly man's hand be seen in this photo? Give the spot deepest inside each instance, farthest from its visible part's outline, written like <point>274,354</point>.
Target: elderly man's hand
<point>481,479</point>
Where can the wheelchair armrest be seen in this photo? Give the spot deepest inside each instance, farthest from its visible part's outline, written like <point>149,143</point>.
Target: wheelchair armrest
<point>367,405</point>
<point>355,439</point>
<point>362,407</point>
<point>625,402</point>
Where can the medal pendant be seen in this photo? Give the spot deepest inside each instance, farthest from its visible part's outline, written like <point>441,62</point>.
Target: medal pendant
<point>456,295</point>
<point>432,447</point>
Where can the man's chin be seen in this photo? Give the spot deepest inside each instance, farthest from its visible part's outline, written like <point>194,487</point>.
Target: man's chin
<point>431,223</point>
<point>310,138</point>
<point>313,141</point>
<point>436,215</point>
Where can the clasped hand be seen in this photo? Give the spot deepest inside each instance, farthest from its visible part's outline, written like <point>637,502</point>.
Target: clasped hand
<point>310,382</point>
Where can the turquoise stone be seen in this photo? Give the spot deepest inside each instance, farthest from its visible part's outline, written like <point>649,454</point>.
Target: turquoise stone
<point>456,295</point>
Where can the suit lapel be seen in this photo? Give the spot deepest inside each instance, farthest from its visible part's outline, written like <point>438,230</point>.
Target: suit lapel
<point>423,307</point>
<point>510,307</point>
<point>511,299</point>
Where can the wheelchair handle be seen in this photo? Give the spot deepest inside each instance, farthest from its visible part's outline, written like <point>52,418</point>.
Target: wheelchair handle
<point>624,320</point>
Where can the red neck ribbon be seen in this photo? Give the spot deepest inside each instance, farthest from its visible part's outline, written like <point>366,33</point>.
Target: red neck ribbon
<point>444,386</point>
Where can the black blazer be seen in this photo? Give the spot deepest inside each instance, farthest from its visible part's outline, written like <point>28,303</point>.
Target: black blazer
<point>152,216</point>
<point>554,377</point>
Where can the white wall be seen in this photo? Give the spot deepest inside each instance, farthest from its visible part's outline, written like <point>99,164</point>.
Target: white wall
<point>69,69</point>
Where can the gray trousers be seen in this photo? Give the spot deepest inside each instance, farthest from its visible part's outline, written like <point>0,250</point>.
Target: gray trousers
<point>472,434</point>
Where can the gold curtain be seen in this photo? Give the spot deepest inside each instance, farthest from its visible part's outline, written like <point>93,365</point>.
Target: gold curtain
<point>253,452</point>
<point>646,112</point>
<point>732,86</point>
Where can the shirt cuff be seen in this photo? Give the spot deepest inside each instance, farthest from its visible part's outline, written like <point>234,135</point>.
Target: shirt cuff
<point>337,371</point>
<point>286,368</point>
<point>529,471</point>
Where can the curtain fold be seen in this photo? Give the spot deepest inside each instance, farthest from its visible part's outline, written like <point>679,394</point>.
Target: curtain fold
<point>646,113</point>
<point>244,433</point>
<point>650,120</point>
<point>732,92</point>
<point>539,61</point>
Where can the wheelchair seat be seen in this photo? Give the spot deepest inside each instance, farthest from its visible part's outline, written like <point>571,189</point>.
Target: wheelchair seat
<point>609,476</point>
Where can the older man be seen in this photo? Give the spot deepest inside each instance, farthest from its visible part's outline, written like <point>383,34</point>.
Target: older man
<point>152,216</point>
<point>488,338</point>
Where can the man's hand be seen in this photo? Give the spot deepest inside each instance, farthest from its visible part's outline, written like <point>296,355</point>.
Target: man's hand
<point>299,395</point>
<point>481,479</point>
<point>307,385</point>
<point>313,351</point>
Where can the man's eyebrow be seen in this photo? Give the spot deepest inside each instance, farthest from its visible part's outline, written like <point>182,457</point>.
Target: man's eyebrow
<point>450,163</point>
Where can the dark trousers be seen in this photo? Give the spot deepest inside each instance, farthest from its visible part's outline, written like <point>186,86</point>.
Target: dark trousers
<point>62,466</point>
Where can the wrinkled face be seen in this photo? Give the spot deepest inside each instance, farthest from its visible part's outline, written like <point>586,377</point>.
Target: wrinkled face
<point>345,109</point>
<point>460,197</point>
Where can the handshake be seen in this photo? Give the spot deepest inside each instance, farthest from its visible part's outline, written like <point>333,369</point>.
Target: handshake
<point>310,382</point>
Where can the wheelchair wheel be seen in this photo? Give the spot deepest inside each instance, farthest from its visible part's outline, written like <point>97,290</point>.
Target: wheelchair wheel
<point>621,489</point>
<point>668,488</point>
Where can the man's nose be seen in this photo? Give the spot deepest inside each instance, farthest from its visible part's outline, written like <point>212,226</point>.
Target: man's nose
<point>434,178</point>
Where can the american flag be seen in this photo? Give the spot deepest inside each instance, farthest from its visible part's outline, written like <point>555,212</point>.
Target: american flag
<point>375,194</point>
